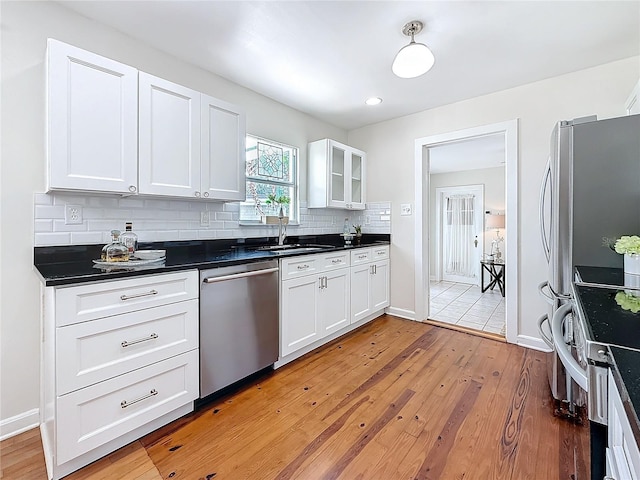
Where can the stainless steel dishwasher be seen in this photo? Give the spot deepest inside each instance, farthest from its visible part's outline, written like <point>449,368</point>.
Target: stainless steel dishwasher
<point>239,332</point>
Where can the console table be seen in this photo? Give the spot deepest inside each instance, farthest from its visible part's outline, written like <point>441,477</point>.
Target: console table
<point>496,275</point>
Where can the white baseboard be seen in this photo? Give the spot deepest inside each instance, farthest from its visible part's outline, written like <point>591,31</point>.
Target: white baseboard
<point>401,312</point>
<point>22,422</point>
<point>534,343</point>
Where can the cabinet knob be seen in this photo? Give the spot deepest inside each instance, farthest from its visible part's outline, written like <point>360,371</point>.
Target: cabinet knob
<point>206,194</point>
<point>197,194</point>
<point>132,188</point>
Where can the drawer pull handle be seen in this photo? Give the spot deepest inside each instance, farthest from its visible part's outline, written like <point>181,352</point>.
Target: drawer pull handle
<point>125,404</point>
<point>336,261</point>
<point>125,344</point>
<point>361,257</point>
<point>138,295</point>
<point>303,267</point>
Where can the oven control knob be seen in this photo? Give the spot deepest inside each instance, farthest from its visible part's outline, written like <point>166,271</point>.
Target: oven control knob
<point>602,353</point>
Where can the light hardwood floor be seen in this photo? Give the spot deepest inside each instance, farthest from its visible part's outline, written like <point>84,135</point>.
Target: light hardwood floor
<point>393,400</point>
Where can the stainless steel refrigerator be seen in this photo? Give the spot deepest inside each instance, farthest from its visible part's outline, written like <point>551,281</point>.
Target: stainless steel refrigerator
<point>590,196</point>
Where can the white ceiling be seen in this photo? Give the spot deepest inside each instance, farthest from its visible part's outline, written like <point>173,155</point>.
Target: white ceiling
<point>468,154</point>
<point>326,57</point>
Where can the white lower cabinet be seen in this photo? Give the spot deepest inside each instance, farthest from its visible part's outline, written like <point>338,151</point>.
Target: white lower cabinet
<point>369,282</point>
<point>119,359</point>
<point>322,295</point>
<point>299,317</point>
<point>623,453</point>
<point>95,415</point>
<point>334,301</point>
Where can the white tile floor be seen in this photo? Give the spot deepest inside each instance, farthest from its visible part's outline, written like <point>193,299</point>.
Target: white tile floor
<point>464,305</point>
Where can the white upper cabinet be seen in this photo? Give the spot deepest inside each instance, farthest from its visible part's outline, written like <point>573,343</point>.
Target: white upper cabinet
<point>336,175</point>
<point>169,161</point>
<point>92,106</point>
<point>223,168</point>
<point>114,129</point>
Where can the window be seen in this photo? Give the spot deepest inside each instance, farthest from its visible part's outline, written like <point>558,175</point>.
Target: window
<point>272,171</point>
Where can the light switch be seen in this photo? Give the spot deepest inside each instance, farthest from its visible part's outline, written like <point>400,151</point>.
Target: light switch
<point>405,209</point>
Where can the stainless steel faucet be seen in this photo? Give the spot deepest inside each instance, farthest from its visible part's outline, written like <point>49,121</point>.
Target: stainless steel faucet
<point>281,234</point>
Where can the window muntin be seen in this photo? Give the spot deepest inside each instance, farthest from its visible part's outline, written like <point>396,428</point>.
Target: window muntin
<point>272,169</point>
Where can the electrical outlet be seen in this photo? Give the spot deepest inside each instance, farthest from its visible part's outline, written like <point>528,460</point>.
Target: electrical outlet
<point>367,220</point>
<point>204,219</point>
<point>73,215</point>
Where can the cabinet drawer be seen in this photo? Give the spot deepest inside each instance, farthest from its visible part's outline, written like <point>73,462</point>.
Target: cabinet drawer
<point>380,253</point>
<point>98,300</point>
<point>361,255</point>
<point>89,352</point>
<point>335,260</point>
<point>98,414</point>
<point>300,266</point>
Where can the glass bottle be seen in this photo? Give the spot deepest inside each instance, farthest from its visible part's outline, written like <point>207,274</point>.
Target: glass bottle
<point>129,239</point>
<point>115,251</point>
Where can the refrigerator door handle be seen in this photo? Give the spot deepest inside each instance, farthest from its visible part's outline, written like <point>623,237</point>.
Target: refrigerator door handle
<point>541,321</point>
<point>559,296</point>
<point>574,369</point>
<point>543,192</point>
<point>547,296</point>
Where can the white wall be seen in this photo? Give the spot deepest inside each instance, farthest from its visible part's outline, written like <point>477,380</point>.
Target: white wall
<point>25,28</point>
<point>391,176</point>
<point>494,200</point>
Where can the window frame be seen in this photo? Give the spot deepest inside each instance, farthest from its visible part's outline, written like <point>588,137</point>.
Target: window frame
<point>294,205</point>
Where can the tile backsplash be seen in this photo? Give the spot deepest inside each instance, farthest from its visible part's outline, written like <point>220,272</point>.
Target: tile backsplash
<point>168,219</point>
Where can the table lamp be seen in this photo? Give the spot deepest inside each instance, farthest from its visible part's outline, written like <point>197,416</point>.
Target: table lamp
<point>496,222</point>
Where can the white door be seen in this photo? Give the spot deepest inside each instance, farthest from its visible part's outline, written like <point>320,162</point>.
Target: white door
<point>93,121</point>
<point>223,165</point>
<point>339,161</point>
<point>299,313</point>
<point>334,301</point>
<point>169,161</point>
<point>380,285</point>
<point>360,292</point>
<point>460,233</point>
<point>357,169</point>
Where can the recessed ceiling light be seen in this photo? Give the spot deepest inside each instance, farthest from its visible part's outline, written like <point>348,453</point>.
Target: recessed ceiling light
<point>373,101</point>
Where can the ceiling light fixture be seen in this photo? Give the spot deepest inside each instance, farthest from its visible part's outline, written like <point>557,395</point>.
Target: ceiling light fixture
<point>373,101</point>
<point>414,59</point>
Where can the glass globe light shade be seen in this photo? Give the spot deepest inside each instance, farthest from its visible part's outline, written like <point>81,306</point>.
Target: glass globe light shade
<point>413,60</point>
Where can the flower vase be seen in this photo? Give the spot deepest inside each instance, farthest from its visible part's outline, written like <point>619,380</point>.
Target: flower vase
<point>632,264</point>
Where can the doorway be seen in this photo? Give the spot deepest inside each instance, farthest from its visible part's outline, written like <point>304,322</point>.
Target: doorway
<point>424,148</point>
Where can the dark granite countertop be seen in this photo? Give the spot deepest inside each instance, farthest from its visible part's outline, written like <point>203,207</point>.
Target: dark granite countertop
<point>626,373</point>
<point>609,315</point>
<point>66,265</point>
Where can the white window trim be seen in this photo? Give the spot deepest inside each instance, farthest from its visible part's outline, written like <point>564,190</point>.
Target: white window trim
<point>294,206</point>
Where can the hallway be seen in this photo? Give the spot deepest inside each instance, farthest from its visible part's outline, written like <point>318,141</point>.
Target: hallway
<point>464,305</point>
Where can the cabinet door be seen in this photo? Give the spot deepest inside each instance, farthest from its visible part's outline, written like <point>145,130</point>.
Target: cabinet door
<point>356,191</point>
<point>92,121</point>
<point>299,319</point>
<point>169,161</point>
<point>380,285</point>
<point>339,158</point>
<point>223,166</point>
<point>334,301</point>
<point>360,292</point>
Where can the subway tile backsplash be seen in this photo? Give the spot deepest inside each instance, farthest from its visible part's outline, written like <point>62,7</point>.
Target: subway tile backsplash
<point>167,220</point>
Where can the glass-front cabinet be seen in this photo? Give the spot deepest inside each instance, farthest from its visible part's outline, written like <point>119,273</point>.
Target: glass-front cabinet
<point>336,175</point>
